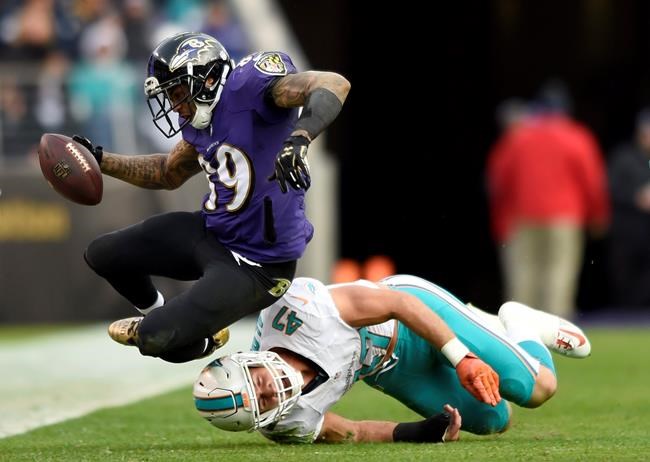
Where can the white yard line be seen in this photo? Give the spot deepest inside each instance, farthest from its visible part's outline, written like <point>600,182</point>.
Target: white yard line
<point>57,377</point>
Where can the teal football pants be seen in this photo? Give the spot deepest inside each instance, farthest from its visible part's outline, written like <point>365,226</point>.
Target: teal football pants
<point>424,380</point>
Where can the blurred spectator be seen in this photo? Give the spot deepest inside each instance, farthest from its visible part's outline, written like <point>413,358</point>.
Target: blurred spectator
<point>102,85</point>
<point>221,24</point>
<point>30,29</point>
<point>511,112</point>
<point>88,11</point>
<point>14,119</point>
<point>188,14</point>
<point>546,183</point>
<point>137,28</point>
<point>50,105</point>
<point>75,58</point>
<point>629,176</point>
<point>211,17</point>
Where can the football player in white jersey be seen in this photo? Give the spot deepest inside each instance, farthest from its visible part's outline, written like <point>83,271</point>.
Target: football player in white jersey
<point>407,337</point>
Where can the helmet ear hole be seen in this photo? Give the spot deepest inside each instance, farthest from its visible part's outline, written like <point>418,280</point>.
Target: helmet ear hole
<point>211,82</point>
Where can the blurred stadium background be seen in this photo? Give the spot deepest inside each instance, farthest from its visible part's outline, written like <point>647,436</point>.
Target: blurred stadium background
<point>400,173</point>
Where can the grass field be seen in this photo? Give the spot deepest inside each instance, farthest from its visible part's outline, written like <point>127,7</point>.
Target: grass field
<point>601,412</point>
<point>20,333</point>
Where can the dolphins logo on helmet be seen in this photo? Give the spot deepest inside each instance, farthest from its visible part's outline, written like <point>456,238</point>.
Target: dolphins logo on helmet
<point>225,394</point>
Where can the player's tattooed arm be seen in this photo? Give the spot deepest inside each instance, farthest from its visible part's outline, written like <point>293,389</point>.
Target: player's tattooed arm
<point>321,94</point>
<point>154,171</point>
<point>292,90</point>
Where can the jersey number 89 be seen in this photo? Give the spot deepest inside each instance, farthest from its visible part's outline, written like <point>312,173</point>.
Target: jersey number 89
<point>234,172</point>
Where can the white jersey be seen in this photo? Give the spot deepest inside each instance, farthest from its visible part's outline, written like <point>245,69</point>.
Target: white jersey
<point>306,321</point>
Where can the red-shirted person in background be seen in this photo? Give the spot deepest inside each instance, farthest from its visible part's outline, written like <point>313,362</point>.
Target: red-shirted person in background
<point>547,184</point>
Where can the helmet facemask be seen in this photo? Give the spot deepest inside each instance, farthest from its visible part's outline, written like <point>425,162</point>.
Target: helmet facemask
<point>230,376</point>
<point>201,65</point>
<point>204,97</point>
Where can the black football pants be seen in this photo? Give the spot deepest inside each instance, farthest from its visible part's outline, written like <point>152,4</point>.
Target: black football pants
<point>177,245</point>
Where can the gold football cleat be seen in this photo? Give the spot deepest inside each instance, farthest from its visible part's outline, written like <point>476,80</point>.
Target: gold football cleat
<point>221,338</point>
<point>218,340</point>
<point>125,331</point>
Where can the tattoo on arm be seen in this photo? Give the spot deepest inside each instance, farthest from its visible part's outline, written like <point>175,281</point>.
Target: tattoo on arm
<point>154,171</point>
<point>292,90</point>
<point>181,165</point>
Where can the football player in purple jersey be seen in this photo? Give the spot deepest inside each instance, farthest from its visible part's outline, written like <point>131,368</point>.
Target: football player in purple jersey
<point>241,127</point>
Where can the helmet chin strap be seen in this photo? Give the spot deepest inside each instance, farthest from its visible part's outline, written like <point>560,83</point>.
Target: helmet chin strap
<point>202,115</point>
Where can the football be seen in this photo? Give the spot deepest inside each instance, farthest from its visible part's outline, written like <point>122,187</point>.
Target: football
<point>70,169</point>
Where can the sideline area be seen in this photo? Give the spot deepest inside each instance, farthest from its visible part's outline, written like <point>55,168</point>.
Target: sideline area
<point>50,378</point>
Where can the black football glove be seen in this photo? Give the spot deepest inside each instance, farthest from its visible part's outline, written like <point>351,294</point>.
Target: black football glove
<point>291,165</point>
<point>96,151</point>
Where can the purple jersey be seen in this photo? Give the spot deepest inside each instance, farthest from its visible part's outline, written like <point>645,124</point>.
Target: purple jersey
<point>248,213</point>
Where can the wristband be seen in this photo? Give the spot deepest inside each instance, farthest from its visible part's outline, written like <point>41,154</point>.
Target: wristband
<point>98,152</point>
<point>320,109</point>
<point>431,430</point>
<point>454,350</point>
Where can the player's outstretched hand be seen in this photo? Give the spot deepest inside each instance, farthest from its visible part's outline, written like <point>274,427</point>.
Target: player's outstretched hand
<point>291,165</point>
<point>96,151</point>
<point>453,429</point>
<point>479,379</point>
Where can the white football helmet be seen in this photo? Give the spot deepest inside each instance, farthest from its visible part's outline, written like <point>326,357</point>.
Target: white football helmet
<point>224,393</point>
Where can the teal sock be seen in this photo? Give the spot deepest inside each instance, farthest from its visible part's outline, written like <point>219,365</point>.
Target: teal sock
<point>539,352</point>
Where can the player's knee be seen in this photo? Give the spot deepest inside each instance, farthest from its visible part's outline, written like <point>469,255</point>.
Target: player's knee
<point>153,342</point>
<point>490,421</point>
<point>509,417</point>
<point>545,388</point>
<point>100,254</point>
<point>516,390</point>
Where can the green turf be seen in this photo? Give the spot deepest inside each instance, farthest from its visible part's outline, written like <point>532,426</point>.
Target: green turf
<point>600,413</point>
<point>17,333</point>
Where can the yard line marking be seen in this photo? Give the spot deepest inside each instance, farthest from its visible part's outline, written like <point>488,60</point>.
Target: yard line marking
<point>53,378</point>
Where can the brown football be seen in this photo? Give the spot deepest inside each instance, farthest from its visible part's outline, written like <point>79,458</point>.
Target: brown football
<point>70,169</point>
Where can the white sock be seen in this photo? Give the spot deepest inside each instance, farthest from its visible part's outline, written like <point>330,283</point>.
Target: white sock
<point>491,320</point>
<point>160,301</point>
<point>521,333</point>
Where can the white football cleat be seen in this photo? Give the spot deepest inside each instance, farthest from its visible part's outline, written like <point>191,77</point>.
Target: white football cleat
<point>558,334</point>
